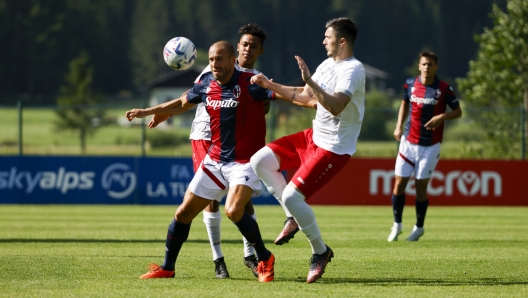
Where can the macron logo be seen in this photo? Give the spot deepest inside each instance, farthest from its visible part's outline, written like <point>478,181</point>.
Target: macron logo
<point>216,104</point>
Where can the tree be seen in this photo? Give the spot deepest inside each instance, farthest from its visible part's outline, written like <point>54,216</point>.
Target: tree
<point>75,103</point>
<point>498,77</point>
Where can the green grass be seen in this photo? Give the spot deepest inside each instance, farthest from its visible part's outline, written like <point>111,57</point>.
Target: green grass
<point>99,251</point>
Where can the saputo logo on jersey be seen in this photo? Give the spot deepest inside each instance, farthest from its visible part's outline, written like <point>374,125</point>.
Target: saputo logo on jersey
<point>216,104</point>
<point>425,101</point>
<point>117,180</point>
<point>466,183</point>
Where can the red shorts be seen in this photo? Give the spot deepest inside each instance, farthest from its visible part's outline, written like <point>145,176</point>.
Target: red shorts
<point>316,166</point>
<point>200,149</point>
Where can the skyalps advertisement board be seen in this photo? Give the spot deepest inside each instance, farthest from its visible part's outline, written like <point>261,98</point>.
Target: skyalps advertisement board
<point>97,180</point>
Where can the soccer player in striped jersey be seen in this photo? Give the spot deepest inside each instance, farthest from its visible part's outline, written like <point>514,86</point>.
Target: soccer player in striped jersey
<point>238,130</point>
<point>250,47</point>
<point>425,99</point>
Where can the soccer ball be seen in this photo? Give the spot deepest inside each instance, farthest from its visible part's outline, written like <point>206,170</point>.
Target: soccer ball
<point>179,53</point>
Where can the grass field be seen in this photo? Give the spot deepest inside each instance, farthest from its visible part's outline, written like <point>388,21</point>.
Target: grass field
<point>100,251</point>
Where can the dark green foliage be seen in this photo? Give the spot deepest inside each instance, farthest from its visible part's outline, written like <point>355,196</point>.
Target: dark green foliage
<point>498,77</point>
<point>76,111</point>
<point>125,38</point>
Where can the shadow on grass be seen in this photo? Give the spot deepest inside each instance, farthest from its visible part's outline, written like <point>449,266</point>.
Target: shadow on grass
<point>391,282</point>
<point>65,240</point>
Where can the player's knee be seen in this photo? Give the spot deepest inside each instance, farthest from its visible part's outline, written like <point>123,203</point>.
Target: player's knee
<point>264,159</point>
<point>184,216</point>
<point>291,197</point>
<point>233,213</point>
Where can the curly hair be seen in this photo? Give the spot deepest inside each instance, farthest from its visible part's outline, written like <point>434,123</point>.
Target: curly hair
<point>255,30</point>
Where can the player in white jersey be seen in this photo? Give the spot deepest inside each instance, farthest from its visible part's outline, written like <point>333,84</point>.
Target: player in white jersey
<point>320,153</point>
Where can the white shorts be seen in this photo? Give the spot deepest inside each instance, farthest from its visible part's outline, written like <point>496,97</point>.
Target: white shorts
<point>420,159</point>
<point>212,179</point>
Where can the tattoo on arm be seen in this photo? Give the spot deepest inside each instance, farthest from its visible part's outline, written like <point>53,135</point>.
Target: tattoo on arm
<point>294,89</point>
<point>293,96</point>
<point>310,93</point>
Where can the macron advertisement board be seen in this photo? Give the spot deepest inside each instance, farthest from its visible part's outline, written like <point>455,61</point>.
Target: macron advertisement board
<point>366,181</point>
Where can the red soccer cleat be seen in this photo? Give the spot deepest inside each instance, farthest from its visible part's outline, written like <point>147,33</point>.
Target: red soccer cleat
<point>266,270</point>
<point>157,272</point>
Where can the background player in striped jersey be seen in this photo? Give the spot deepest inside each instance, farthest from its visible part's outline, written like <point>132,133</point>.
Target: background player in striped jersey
<point>425,98</point>
<point>338,85</point>
<point>238,130</point>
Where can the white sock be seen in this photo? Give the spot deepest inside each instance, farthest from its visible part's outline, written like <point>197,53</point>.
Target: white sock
<point>212,224</point>
<point>249,250</point>
<point>266,166</point>
<point>305,218</point>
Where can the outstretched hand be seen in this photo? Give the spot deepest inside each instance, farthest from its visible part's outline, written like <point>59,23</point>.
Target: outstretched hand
<point>157,119</point>
<point>305,72</point>
<point>136,113</point>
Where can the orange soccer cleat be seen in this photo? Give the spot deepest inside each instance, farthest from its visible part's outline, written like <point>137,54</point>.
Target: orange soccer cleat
<point>266,270</point>
<point>157,272</point>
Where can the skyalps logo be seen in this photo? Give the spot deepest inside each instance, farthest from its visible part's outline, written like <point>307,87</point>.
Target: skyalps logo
<point>118,180</point>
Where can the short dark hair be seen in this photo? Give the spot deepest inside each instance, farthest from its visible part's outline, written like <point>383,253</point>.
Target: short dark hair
<point>255,30</point>
<point>344,28</point>
<point>430,55</point>
<point>226,45</point>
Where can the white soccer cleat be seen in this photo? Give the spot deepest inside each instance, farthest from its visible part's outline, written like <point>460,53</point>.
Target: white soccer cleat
<point>416,234</point>
<point>396,230</point>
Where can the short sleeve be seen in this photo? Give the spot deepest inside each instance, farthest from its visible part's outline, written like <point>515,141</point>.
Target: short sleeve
<point>350,79</point>
<point>406,97</point>
<point>259,93</point>
<point>194,94</point>
<point>450,98</point>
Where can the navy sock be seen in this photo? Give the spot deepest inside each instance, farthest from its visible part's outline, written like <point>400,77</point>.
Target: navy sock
<point>250,230</point>
<point>176,235</point>
<point>398,202</point>
<point>421,210</point>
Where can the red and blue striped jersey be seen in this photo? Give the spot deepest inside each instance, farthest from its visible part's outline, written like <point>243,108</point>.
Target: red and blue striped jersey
<point>236,110</point>
<point>426,101</point>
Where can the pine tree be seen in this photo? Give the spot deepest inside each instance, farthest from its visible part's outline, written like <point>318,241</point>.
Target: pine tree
<point>76,111</point>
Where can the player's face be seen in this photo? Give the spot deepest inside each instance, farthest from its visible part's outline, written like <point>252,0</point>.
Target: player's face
<point>221,64</point>
<point>427,67</point>
<point>249,49</point>
<point>330,42</point>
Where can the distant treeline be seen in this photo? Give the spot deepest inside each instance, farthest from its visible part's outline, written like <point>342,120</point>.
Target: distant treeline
<point>125,38</point>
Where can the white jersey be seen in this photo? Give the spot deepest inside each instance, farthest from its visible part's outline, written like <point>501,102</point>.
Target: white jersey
<point>200,129</point>
<point>339,134</point>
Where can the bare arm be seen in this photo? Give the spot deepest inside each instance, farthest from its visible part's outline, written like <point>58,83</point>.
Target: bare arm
<point>438,119</point>
<point>402,115</point>
<point>335,103</point>
<point>173,107</point>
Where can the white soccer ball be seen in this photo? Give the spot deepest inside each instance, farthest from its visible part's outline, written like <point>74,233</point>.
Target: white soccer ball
<point>179,53</point>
